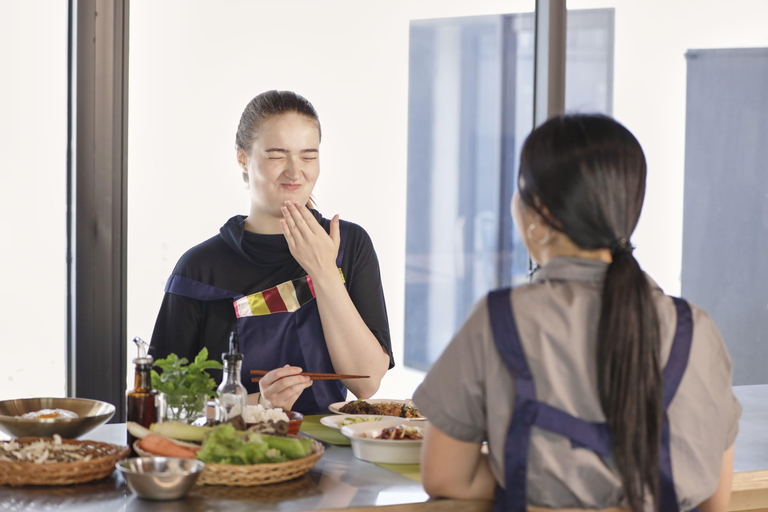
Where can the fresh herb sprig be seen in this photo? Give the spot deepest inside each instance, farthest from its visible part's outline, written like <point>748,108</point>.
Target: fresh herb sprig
<point>182,382</point>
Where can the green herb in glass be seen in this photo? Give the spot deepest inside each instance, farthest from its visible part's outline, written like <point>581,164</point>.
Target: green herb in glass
<point>184,384</point>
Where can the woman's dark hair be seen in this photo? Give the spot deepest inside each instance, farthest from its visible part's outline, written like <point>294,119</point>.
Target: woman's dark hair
<point>264,106</point>
<point>585,175</point>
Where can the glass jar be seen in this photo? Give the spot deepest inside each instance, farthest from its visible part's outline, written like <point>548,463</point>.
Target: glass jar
<point>232,393</point>
<point>190,409</point>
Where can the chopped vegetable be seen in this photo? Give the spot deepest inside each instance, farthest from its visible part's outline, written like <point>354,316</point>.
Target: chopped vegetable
<point>45,451</point>
<point>178,430</point>
<point>292,447</point>
<point>136,430</point>
<point>160,445</point>
<point>225,445</point>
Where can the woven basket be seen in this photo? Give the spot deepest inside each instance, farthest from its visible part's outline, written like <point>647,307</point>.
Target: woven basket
<point>254,474</point>
<point>303,486</point>
<point>104,456</point>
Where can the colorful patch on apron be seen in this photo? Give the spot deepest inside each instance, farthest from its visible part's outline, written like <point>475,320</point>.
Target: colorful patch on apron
<point>286,297</point>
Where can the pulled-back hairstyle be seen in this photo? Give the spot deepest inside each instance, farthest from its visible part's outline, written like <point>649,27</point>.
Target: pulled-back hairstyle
<point>585,175</point>
<point>265,106</point>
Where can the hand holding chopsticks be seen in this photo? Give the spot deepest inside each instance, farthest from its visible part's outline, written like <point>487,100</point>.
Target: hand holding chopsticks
<point>312,376</point>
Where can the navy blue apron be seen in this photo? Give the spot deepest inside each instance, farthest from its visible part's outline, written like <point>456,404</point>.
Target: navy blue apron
<point>272,341</point>
<point>528,411</point>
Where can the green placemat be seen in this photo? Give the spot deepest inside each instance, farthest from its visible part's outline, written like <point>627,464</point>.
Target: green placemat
<point>412,471</point>
<point>312,427</point>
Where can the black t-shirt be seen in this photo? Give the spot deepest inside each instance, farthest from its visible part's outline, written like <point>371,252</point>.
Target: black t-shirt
<point>246,262</point>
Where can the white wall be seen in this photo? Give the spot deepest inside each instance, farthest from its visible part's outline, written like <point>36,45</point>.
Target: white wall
<point>33,170</point>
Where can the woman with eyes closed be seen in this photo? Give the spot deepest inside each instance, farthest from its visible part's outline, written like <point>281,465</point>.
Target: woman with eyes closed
<point>302,292</point>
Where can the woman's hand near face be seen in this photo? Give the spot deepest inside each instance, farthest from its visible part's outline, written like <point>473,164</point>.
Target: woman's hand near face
<point>351,344</point>
<point>281,387</point>
<point>312,247</point>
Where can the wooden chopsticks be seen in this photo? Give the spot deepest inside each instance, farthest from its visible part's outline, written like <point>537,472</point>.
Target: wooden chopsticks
<point>312,376</point>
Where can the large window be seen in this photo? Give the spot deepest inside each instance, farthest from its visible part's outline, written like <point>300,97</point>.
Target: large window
<point>33,172</point>
<point>470,108</point>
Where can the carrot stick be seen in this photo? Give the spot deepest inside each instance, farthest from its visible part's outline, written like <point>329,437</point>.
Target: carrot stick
<point>164,447</point>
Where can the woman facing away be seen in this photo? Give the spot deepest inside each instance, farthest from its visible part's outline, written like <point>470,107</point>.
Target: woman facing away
<point>592,388</point>
<point>303,292</point>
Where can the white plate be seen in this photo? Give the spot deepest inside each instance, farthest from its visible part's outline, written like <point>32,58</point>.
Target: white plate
<point>333,421</point>
<point>336,408</point>
<point>388,451</point>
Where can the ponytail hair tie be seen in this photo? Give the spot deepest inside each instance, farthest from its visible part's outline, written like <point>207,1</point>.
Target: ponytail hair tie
<point>621,246</point>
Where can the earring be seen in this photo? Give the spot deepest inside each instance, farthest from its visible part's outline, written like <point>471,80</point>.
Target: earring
<point>547,236</point>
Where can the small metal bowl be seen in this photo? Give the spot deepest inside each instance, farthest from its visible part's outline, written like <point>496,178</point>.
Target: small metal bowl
<point>91,414</point>
<point>160,478</point>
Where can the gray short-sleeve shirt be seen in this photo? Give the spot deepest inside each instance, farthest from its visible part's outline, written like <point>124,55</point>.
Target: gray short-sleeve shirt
<point>469,394</point>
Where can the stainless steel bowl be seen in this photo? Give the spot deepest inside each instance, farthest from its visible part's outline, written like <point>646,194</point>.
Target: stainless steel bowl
<point>160,478</point>
<point>91,414</point>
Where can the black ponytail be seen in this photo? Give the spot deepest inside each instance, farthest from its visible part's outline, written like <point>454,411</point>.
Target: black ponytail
<point>586,175</point>
<point>629,379</point>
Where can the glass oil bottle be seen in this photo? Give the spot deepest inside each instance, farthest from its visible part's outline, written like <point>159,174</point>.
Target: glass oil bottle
<point>232,393</point>
<point>140,401</point>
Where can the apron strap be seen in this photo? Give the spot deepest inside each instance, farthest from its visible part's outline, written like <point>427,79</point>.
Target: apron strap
<point>190,288</point>
<point>672,375</point>
<point>186,287</point>
<point>583,434</point>
<point>681,350</point>
<point>594,436</point>
<point>507,341</point>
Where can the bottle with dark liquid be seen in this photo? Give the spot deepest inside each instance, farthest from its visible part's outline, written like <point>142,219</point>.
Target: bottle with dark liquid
<point>140,401</point>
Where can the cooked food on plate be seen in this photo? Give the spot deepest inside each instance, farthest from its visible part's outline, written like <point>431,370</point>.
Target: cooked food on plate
<point>400,432</point>
<point>49,414</point>
<point>382,408</point>
<point>356,419</point>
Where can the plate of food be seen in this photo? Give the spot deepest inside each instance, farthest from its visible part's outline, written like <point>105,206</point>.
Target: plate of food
<point>378,407</point>
<point>342,420</point>
<point>389,441</point>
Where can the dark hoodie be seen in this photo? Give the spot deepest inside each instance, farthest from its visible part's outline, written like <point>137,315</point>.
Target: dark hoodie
<point>246,262</point>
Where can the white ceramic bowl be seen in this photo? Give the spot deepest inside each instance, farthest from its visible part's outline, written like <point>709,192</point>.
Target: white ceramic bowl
<point>388,451</point>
